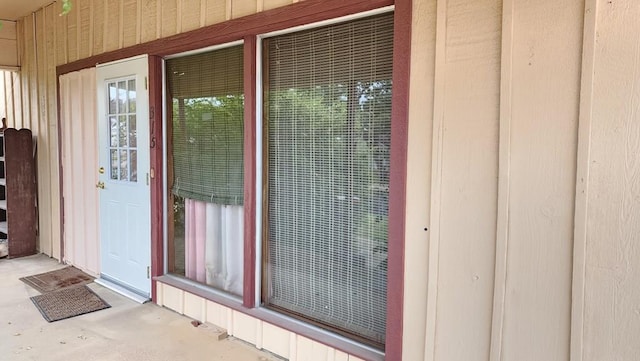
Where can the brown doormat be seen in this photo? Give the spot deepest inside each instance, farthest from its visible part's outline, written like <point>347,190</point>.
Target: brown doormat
<point>56,280</point>
<point>68,302</point>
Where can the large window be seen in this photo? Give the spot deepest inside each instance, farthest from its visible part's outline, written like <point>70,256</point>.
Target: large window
<point>205,167</point>
<point>327,126</point>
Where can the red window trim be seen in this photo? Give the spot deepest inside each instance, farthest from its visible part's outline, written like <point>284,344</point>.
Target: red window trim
<point>247,28</point>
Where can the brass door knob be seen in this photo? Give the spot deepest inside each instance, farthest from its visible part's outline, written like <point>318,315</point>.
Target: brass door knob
<point>100,185</point>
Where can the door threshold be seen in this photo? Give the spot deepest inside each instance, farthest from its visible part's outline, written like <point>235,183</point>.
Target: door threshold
<point>122,290</point>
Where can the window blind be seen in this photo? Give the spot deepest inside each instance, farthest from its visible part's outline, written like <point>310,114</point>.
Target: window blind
<point>206,91</point>
<point>328,126</point>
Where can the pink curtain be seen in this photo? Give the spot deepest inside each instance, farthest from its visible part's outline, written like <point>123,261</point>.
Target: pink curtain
<point>214,244</point>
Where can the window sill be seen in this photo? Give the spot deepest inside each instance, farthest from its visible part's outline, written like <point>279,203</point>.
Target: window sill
<point>315,333</point>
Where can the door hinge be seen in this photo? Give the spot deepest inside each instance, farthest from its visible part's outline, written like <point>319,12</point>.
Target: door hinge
<point>145,83</point>
<point>148,272</point>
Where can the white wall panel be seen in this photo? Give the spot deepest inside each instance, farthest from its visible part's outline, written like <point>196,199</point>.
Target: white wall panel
<point>80,169</point>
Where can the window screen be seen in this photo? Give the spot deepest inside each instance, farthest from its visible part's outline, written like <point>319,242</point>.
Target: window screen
<point>327,135</point>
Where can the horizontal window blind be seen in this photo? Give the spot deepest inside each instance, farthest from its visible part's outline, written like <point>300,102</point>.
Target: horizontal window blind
<point>207,104</point>
<point>328,126</point>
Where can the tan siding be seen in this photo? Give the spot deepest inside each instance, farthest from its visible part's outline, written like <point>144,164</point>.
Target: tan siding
<point>6,95</point>
<point>190,11</point>
<point>168,18</point>
<point>8,44</point>
<point>39,126</point>
<point>73,35</point>
<point>32,71</point>
<point>545,95</point>
<point>272,4</point>
<point>113,25</point>
<point>61,40</point>
<point>240,8</point>
<point>85,46</point>
<point>216,11</point>
<point>98,18</point>
<point>130,27</point>
<point>50,125</point>
<point>24,74</point>
<point>419,180</point>
<point>469,144</point>
<point>612,309</point>
<point>149,20</point>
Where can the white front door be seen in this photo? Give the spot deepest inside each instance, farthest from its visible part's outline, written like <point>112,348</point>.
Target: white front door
<point>125,199</point>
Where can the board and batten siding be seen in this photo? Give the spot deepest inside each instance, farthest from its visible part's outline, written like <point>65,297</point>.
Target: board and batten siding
<point>524,164</point>
<point>523,180</point>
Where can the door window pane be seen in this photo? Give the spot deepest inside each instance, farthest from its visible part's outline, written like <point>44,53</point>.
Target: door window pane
<point>122,97</point>
<point>132,96</point>
<point>113,98</point>
<point>122,130</point>
<point>133,164</point>
<point>114,164</point>
<point>133,135</point>
<point>123,136</point>
<point>113,131</point>
<point>124,165</point>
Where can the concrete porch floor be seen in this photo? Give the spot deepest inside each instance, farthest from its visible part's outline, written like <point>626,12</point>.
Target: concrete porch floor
<point>126,331</point>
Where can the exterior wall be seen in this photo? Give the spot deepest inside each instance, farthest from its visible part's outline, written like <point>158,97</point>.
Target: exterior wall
<point>609,246</point>
<point>523,166</point>
<point>80,164</point>
<point>9,45</point>
<point>523,163</point>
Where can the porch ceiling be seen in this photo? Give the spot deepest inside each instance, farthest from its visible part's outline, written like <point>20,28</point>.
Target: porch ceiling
<point>14,10</point>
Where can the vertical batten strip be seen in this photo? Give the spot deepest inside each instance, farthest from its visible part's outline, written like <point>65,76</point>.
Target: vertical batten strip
<point>78,16</point>
<point>91,31</point>
<point>504,154</point>
<point>227,12</point>
<point>158,19</point>
<point>436,178</point>
<point>105,33</point>
<point>203,13</point>
<point>179,6</point>
<point>41,130</point>
<point>582,180</point>
<point>121,26</point>
<point>138,22</point>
